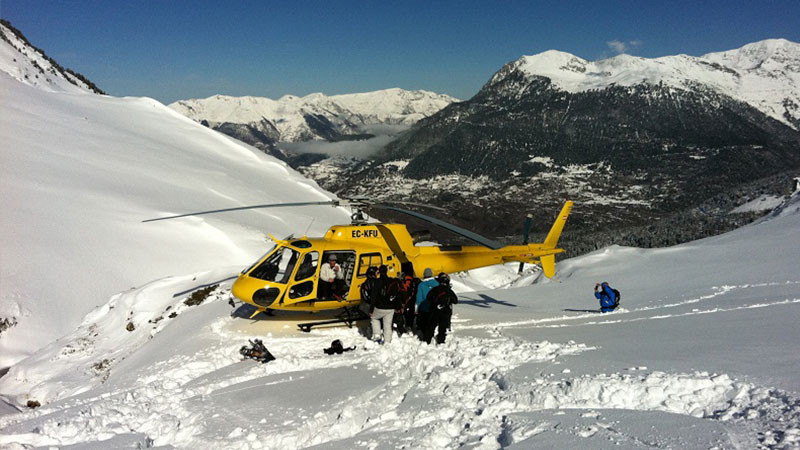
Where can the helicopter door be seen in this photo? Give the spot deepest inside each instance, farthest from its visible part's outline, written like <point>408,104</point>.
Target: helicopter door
<point>306,270</point>
<point>347,262</point>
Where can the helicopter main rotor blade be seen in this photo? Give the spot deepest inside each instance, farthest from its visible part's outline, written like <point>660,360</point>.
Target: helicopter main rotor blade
<point>392,202</point>
<point>272,205</point>
<point>475,237</point>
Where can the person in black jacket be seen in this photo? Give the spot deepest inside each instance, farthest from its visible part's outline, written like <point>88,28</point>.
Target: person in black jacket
<point>403,288</point>
<point>367,285</point>
<point>441,299</point>
<point>382,308</point>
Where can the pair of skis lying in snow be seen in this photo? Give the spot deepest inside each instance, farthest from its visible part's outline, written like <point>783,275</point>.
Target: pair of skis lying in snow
<point>597,311</point>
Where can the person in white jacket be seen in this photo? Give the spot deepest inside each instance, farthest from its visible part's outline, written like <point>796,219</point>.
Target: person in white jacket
<point>330,276</point>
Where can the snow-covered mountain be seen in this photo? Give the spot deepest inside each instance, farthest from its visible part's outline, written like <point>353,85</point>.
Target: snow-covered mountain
<point>634,140</point>
<point>80,172</point>
<point>769,76</point>
<point>315,116</point>
<point>764,74</point>
<point>30,65</point>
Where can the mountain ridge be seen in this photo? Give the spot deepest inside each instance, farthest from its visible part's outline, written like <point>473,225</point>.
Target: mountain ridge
<point>315,116</point>
<point>765,74</point>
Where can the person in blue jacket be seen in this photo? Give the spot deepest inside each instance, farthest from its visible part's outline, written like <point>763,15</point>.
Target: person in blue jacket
<point>423,306</point>
<point>609,297</point>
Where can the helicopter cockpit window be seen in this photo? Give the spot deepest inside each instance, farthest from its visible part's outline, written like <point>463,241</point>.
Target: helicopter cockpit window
<point>301,244</point>
<point>308,267</point>
<point>278,266</point>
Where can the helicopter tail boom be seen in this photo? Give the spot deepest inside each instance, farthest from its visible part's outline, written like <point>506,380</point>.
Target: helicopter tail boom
<point>473,257</point>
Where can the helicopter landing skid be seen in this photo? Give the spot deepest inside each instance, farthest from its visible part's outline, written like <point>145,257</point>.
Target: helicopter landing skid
<point>349,316</point>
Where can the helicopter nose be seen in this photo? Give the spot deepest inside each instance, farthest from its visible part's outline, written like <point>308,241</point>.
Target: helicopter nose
<point>255,292</point>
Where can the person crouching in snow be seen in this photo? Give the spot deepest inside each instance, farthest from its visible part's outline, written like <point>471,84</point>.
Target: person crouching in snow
<point>608,296</point>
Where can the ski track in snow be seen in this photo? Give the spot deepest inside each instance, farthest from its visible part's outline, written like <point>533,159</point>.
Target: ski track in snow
<point>611,317</point>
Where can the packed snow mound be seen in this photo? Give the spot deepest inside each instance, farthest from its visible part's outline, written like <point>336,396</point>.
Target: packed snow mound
<point>80,173</point>
<point>26,64</point>
<point>290,114</point>
<point>763,74</point>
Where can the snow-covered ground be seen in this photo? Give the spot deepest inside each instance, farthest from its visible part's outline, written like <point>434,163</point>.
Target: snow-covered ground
<point>700,355</point>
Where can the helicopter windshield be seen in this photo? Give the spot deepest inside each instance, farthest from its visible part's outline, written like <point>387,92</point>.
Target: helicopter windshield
<point>250,267</point>
<point>278,266</point>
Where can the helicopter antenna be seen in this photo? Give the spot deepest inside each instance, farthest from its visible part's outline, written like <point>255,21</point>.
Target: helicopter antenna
<point>309,226</point>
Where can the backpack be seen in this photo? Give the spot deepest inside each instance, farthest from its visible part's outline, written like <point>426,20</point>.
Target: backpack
<point>441,299</point>
<point>616,296</point>
<point>257,351</point>
<point>337,348</point>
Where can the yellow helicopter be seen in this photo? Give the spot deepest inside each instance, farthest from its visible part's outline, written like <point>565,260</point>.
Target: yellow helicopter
<point>287,277</point>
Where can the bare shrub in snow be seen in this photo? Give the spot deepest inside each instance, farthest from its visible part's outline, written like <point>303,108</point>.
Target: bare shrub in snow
<point>200,295</point>
<point>6,323</point>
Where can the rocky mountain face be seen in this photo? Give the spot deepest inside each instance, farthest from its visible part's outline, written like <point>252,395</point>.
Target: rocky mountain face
<point>30,65</point>
<point>264,122</point>
<point>631,140</point>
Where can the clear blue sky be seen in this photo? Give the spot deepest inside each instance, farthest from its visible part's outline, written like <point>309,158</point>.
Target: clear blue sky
<point>176,49</point>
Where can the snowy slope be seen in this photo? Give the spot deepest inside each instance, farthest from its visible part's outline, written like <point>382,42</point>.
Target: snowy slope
<point>765,74</point>
<point>349,112</point>
<point>700,355</point>
<point>30,66</point>
<point>79,174</point>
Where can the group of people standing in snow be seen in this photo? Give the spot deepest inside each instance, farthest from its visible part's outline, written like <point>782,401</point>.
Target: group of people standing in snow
<point>407,304</point>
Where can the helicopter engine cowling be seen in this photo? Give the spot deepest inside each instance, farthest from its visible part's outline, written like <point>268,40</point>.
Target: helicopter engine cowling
<point>421,236</point>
